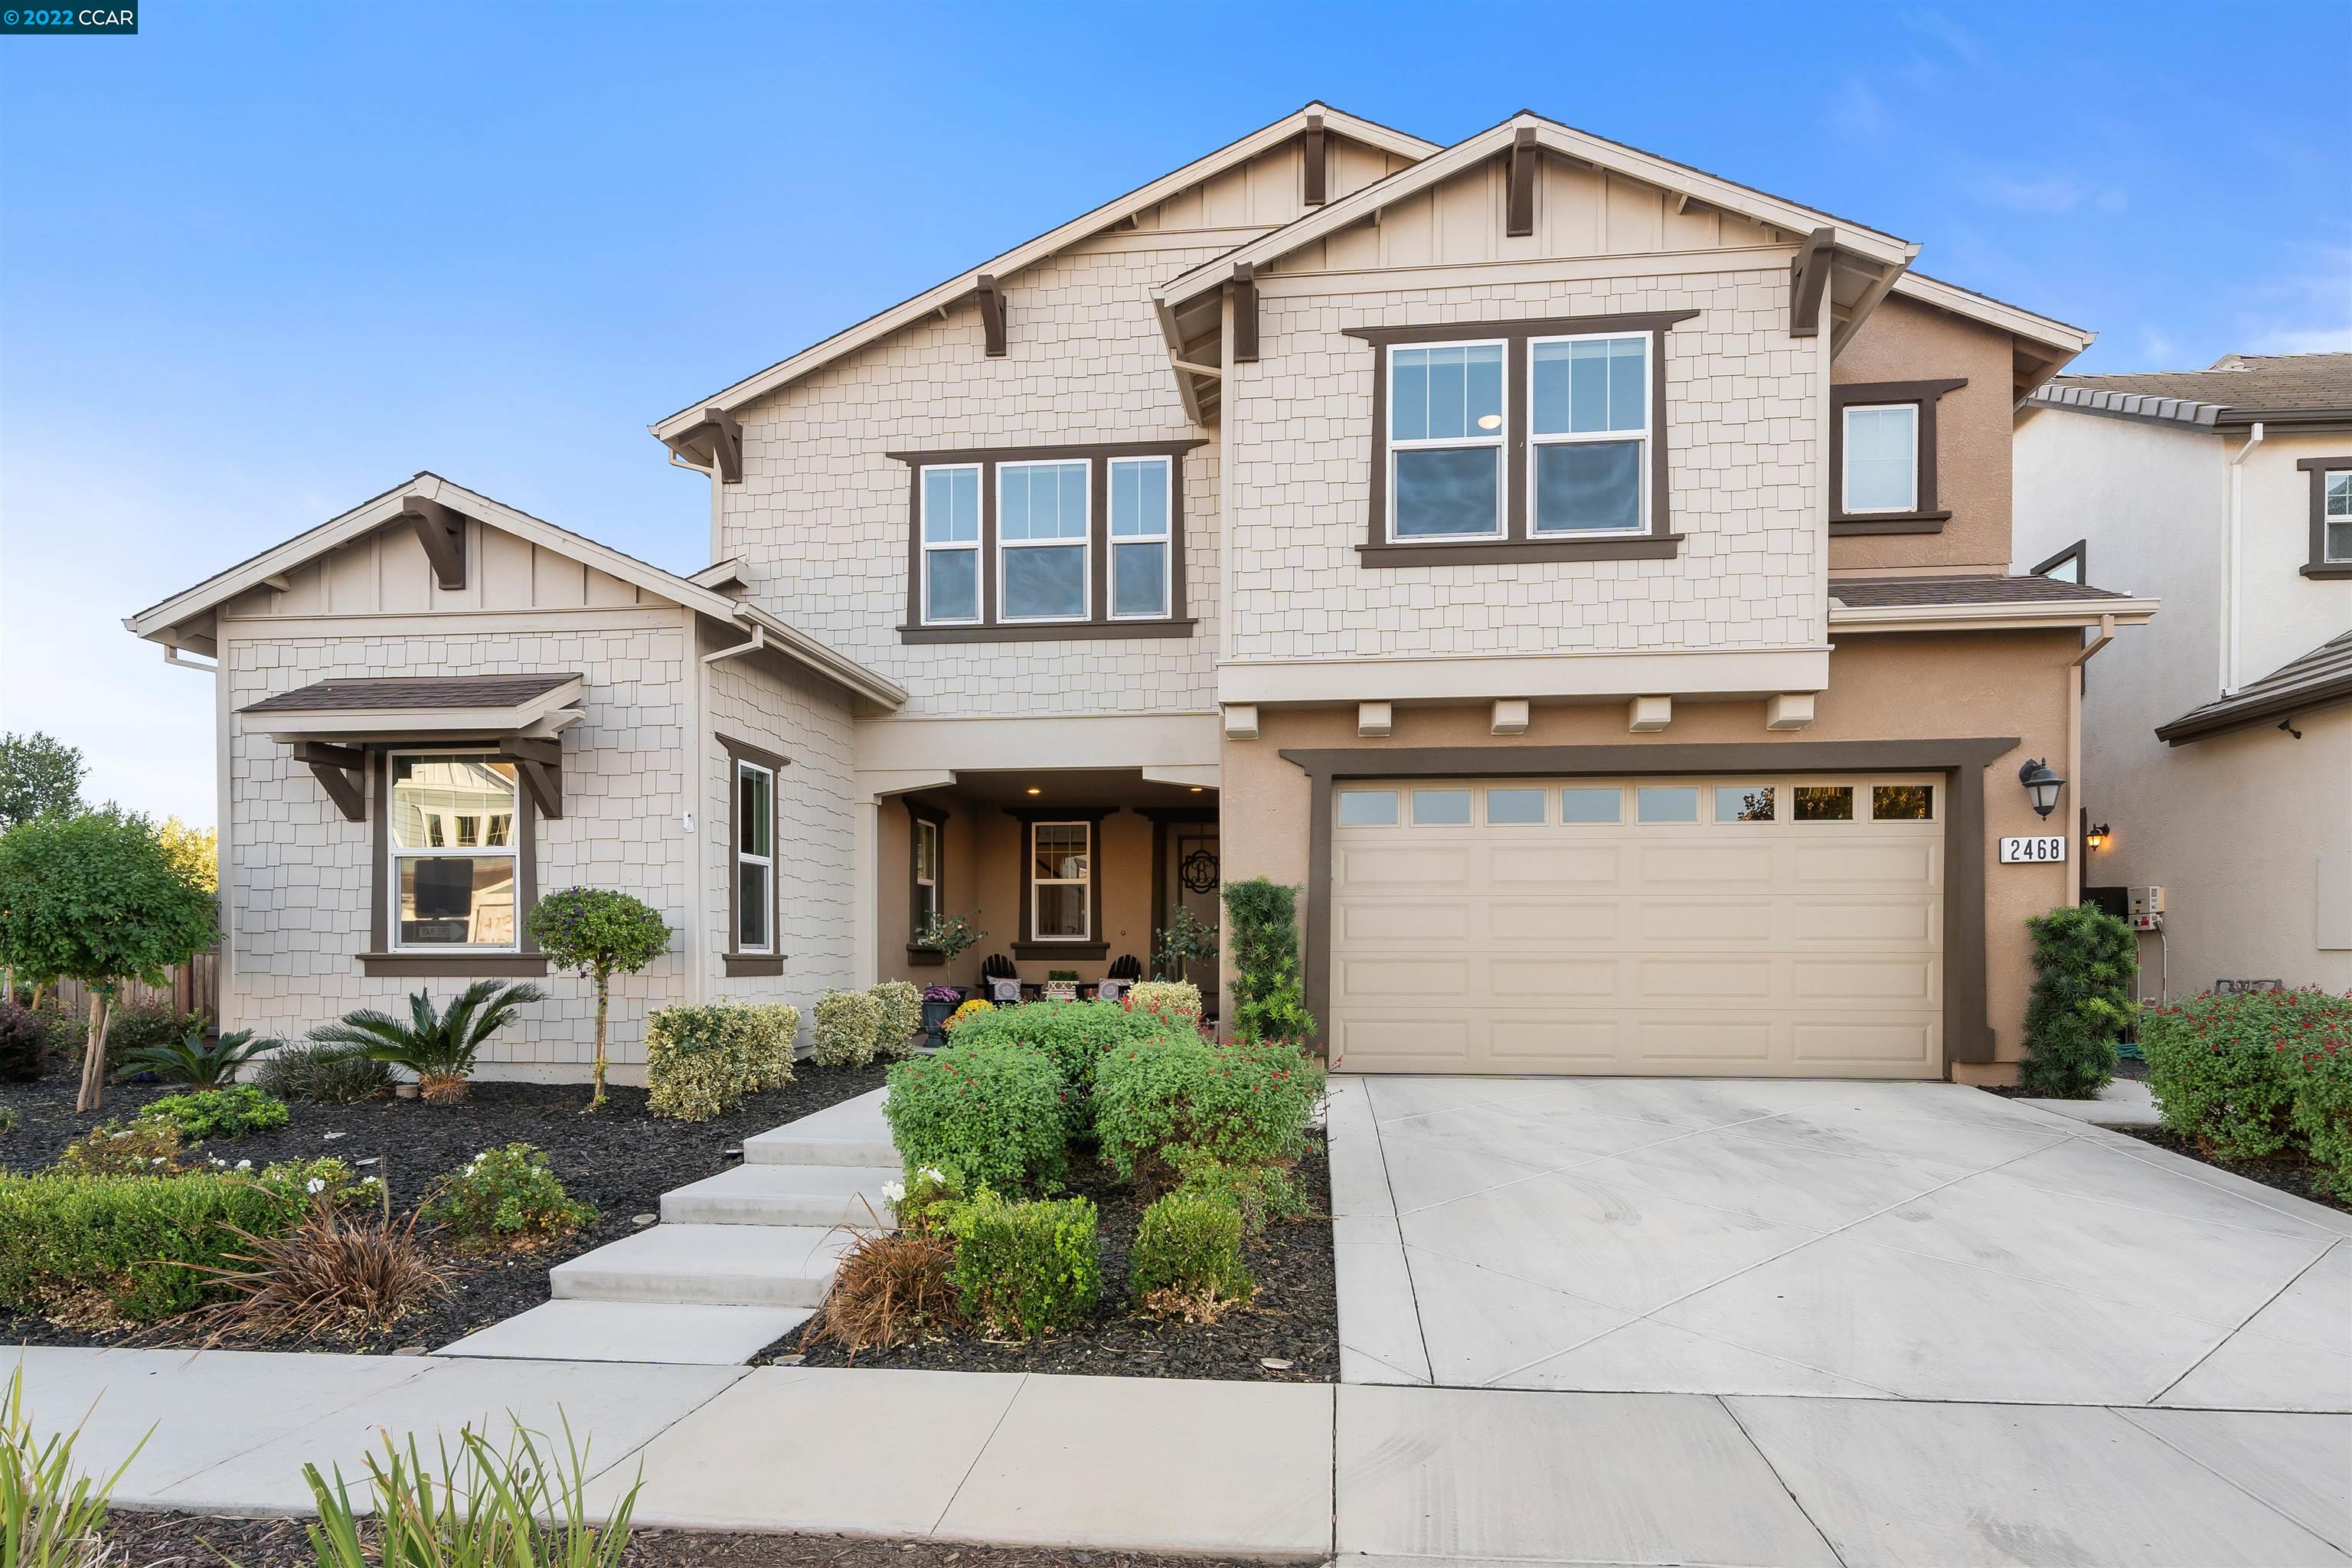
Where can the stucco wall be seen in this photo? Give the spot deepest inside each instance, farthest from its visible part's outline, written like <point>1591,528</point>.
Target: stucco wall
<point>1881,688</point>
<point>1906,341</point>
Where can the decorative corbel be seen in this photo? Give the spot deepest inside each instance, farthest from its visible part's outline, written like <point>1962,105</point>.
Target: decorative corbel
<point>1809,282</point>
<point>1244,313</point>
<point>539,765</point>
<point>443,534</point>
<point>1520,221</point>
<point>992,314</point>
<point>725,446</point>
<point>342,770</point>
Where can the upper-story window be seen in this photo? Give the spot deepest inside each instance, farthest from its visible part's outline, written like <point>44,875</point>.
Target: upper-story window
<point>1883,457</point>
<point>1589,417</point>
<point>1038,543</point>
<point>2331,517</point>
<point>1497,442</point>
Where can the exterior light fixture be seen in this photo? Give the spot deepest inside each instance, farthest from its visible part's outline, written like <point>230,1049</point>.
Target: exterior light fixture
<point>2096,838</point>
<point>1032,790</point>
<point>1198,788</point>
<point>2042,784</point>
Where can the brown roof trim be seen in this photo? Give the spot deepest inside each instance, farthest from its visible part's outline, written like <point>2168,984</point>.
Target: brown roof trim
<point>2320,679</point>
<point>395,692</point>
<point>1859,592</point>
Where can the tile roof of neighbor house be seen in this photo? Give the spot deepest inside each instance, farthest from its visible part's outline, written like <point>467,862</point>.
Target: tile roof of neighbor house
<point>2320,679</point>
<point>2237,389</point>
<point>411,691</point>
<point>1876,592</point>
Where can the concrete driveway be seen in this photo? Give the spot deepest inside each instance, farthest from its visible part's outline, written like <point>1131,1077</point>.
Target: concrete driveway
<point>1858,1240</point>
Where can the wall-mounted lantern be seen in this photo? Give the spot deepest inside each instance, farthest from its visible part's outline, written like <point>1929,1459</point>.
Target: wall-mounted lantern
<point>2096,838</point>
<point>2042,784</point>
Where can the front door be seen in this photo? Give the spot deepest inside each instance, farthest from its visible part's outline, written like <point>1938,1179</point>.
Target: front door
<point>1192,883</point>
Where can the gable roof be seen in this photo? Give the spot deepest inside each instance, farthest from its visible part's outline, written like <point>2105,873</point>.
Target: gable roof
<point>2320,679</point>
<point>166,622</point>
<point>2235,390</point>
<point>1029,252</point>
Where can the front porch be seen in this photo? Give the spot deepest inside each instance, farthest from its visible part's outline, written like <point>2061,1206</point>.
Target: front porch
<point>1068,871</point>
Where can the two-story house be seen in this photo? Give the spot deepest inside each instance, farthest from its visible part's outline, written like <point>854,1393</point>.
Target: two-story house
<point>2218,746</point>
<point>1585,577</point>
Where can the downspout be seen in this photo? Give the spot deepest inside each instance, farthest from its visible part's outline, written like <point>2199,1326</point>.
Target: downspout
<point>2233,609</point>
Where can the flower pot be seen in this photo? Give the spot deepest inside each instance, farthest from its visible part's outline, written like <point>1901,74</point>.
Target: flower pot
<point>934,1015</point>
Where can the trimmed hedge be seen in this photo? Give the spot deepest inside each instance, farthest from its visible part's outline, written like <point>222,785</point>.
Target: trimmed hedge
<point>229,1112</point>
<point>1190,1244</point>
<point>991,1113</point>
<point>2256,1073</point>
<point>1075,1035</point>
<point>702,1060</point>
<point>847,1024</point>
<point>1170,1103</point>
<point>68,1241</point>
<point>898,1018</point>
<point>1176,1001</point>
<point>1025,1268</point>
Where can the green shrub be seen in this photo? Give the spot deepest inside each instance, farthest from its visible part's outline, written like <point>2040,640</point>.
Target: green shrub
<point>440,1047</point>
<point>1189,1244</point>
<point>2322,1073</point>
<point>846,1025</point>
<point>218,1113</point>
<point>1025,1268</point>
<point>601,932</point>
<point>192,1060</point>
<point>897,1018</point>
<point>1262,925</point>
<point>1257,1193</point>
<point>144,1024</point>
<point>322,1075</point>
<point>144,1147</point>
<point>1073,1035</point>
<point>135,1245</point>
<point>993,1113</point>
<point>2084,961</point>
<point>1176,1001</point>
<point>505,1199</point>
<point>23,1043</point>
<point>2219,1066</point>
<point>1162,1105</point>
<point>702,1060</point>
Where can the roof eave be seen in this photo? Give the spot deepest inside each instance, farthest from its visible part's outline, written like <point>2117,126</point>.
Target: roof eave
<point>2015,616</point>
<point>2268,710</point>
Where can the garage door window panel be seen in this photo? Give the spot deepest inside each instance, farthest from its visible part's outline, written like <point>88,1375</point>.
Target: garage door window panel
<point>1903,803</point>
<point>1516,807</point>
<point>1441,808</point>
<point>1824,803</point>
<point>1367,808</point>
<point>1744,803</point>
<point>1666,802</point>
<point>1583,804</point>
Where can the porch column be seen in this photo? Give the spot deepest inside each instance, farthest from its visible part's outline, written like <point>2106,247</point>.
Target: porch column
<point>865,961</point>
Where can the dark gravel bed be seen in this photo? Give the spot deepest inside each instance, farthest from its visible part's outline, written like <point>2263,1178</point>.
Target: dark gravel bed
<point>621,1160</point>
<point>197,1540</point>
<point>1294,1318</point>
<point>2305,1181</point>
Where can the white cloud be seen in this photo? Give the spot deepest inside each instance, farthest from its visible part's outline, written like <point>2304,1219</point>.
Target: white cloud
<point>2051,194</point>
<point>2305,341</point>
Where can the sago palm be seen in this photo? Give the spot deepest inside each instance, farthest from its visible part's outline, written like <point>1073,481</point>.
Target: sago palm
<point>438,1047</point>
<point>190,1060</point>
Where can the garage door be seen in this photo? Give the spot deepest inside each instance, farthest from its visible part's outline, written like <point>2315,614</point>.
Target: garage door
<point>1789,925</point>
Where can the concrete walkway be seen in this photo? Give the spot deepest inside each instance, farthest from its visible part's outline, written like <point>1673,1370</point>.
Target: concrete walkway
<point>1383,1477</point>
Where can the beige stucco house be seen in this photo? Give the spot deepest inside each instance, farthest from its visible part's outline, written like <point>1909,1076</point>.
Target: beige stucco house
<point>2218,744</point>
<point>1586,577</point>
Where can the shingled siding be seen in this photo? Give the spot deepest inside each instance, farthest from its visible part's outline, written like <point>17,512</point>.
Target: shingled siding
<point>821,518</point>
<point>301,874</point>
<point>1744,409</point>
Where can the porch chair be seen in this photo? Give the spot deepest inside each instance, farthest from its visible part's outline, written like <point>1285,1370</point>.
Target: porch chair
<point>1125,970</point>
<point>1002,980</point>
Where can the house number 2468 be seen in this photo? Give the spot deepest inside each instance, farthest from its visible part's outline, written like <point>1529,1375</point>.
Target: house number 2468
<point>2030,851</point>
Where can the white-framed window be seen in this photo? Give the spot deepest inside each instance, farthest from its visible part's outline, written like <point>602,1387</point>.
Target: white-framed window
<point>455,876</point>
<point>927,873</point>
<point>1882,457</point>
<point>2335,517</point>
<point>1042,524</point>
<point>1061,867</point>
<point>1589,434</point>
<point>755,858</point>
<point>1516,807</point>
<point>1367,808</point>
<point>1140,557</point>
<point>1591,803</point>
<point>1665,802</point>
<point>951,529</point>
<point>1441,808</point>
<point>1903,803</point>
<point>1448,426</point>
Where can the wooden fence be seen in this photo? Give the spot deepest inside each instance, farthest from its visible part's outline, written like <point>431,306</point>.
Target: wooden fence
<point>192,988</point>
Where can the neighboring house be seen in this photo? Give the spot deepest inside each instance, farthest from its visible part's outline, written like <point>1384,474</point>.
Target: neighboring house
<point>2217,747</point>
<point>1585,576</point>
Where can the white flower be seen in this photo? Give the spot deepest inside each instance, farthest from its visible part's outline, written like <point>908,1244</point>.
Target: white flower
<point>893,1192</point>
<point>156,1160</point>
<point>244,1165</point>
<point>933,1173</point>
<point>367,1181</point>
<point>314,1185</point>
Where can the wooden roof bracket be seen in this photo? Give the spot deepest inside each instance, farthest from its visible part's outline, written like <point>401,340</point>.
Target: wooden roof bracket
<point>1244,313</point>
<point>1809,282</point>
<point>726,445</point>
<point>992,314</point>
<point>1519,222</point>
<point>343,771</point>
<point>1315,144</point>
<point>539,765</point>
<point>443,534</point>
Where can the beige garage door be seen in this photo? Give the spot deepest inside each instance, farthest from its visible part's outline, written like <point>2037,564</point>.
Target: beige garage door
<point>1789,925</point>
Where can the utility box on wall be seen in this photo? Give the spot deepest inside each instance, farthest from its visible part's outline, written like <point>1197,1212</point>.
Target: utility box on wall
<point>2147,909</point>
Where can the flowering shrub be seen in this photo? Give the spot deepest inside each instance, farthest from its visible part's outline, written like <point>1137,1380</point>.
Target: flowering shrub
<point>993,1113</point>
<point>2224,1068</point>
<point>970,1010</point>
<point>219,1112</point>
<point>846,1025</point>
<point>1178,1002</point>
<point>1169,1102</point>
<point>505,1199</point>
<point>942,993</point>
<point>2323,1100</point>
<point>702,1060</point>
<point>144,1148</point>
<point>898,1018</point>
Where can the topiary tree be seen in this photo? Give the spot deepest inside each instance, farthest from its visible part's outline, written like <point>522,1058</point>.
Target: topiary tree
<point>96,898</point>
<point>1262,934</point>
<point>2084,964</point>
<point>601,933</point>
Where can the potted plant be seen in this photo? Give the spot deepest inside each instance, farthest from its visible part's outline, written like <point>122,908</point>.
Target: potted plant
<point>939,1002</point>
<point>1185,939</point>
<point>940,938</point>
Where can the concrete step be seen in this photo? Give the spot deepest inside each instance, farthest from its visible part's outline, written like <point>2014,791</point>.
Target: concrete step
<point>730,1265</point>
<point>785,1195</point>
<point>660,1331</point>
<point>850,1134</point>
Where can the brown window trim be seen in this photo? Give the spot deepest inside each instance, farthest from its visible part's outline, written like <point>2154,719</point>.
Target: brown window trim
<point>1517,546</point>
<point>920,811</point>
<point>732,963</point>
<point>379,958</point>
<point>2319,565</point>
<point>1098,622</point>
<point>1926,516</point>
<point>2079,552</point>
<point>1095,946</point>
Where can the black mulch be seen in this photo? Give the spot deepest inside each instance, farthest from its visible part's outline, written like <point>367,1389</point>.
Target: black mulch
<point>2305,1181</point>
<point>1295,1318</point>
<point>621,1160</point>
<point>196,1540</point>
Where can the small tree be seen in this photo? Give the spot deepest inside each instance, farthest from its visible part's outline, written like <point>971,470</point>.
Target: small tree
<point>948,935</point>
<point>195,850</point>
<point>1186,939</point>
<point>2084,964</point>
<point>38,775</point>
<point>1262,926</point>
<point>601,933</point>
<point>96,898</point>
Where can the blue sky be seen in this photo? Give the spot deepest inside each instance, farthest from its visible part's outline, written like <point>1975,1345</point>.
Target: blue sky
<point>264,260</point>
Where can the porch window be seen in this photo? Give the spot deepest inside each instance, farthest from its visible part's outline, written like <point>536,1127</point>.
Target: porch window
<point>755,860</point>
<point>950,533</point>
<point>452,820</point>
<point>926,905</point>
<point>1041,541</point>
<point>1139,537</point>
<point>1061,861</point>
